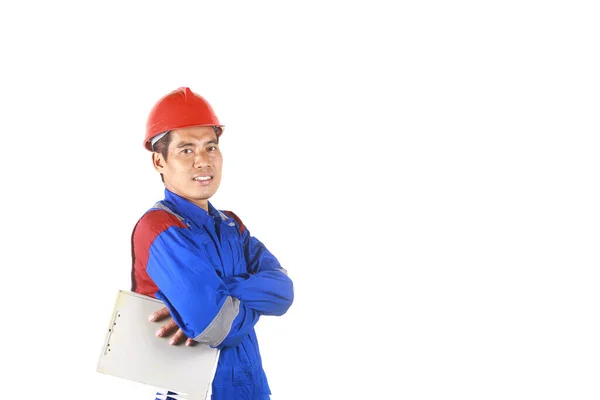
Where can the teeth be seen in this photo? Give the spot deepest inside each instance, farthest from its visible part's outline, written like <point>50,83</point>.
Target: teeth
<point>202,178</point>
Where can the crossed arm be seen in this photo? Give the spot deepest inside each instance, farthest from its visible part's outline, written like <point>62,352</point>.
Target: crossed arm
<point>207,308</point>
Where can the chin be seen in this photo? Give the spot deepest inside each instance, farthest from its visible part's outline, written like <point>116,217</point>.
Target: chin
<point>202,195</point>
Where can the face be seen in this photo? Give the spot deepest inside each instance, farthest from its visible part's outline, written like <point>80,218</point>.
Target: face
<point>193,166</point>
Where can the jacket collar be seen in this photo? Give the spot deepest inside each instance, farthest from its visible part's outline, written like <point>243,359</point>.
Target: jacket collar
<point>189,210</point>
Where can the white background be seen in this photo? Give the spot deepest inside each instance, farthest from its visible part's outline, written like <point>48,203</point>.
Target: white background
<point>427,172</point>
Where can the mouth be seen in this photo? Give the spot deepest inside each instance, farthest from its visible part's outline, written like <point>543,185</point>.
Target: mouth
<point>203,180</point>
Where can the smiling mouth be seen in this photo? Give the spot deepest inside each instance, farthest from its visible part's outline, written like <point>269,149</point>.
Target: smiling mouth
<point>202,178</point>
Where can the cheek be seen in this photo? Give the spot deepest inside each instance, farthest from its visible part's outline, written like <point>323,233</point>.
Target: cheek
<point>217,161</point>
<point>178,169</point>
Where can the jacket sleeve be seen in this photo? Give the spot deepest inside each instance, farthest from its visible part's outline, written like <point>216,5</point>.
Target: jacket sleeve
<point>266,288</point>
<point>199,301</point>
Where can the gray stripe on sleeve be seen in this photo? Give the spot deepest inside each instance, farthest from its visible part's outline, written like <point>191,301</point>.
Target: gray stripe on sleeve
<point>220,326</point>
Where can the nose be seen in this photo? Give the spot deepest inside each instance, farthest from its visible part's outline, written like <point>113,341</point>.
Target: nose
<point>201,160</point>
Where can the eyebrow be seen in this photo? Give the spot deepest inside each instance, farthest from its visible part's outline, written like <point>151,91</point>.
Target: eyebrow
<point>186,144</point>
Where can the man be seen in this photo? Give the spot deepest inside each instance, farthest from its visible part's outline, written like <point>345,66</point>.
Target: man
<point>214,277</point>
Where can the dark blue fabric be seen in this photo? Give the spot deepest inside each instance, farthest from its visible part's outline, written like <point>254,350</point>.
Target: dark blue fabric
<point>198,268</point>
<point>233,396</point>
<point>168,397</point>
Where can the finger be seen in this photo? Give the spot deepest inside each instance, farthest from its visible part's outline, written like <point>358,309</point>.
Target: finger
<point>190,342</point>
<point>177,337</point>
<point>167,328</point>
<point>158,315</point>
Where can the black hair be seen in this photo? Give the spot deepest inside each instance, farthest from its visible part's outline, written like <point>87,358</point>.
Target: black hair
<point>162,145</point>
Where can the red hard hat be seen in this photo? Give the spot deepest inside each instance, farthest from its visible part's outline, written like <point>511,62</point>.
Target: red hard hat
<point>179,109</point>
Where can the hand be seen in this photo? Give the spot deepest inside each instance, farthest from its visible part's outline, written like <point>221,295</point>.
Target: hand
<point>169,327</point>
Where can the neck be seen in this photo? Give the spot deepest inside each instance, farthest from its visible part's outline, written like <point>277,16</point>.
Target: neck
<point>203,204</point>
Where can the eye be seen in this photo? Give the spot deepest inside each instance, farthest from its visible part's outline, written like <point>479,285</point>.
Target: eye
<point>186,151</point>
<point>213,148</point>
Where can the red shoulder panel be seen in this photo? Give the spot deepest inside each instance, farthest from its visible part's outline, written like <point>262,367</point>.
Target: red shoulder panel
<point>239,221</point>
<point>152,224</point>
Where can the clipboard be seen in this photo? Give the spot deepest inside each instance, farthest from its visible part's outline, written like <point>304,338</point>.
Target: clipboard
<point>132,351</point>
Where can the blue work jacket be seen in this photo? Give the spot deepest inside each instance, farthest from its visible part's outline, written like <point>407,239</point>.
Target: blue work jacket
<point>217,280</point>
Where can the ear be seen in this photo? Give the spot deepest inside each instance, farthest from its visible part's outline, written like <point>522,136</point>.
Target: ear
<point>158,162</point>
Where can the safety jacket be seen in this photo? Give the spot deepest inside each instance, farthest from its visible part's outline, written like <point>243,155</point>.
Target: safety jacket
<point>217,280</point>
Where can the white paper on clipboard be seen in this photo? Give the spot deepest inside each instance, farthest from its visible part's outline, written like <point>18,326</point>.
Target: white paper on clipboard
<point>132,351</point>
